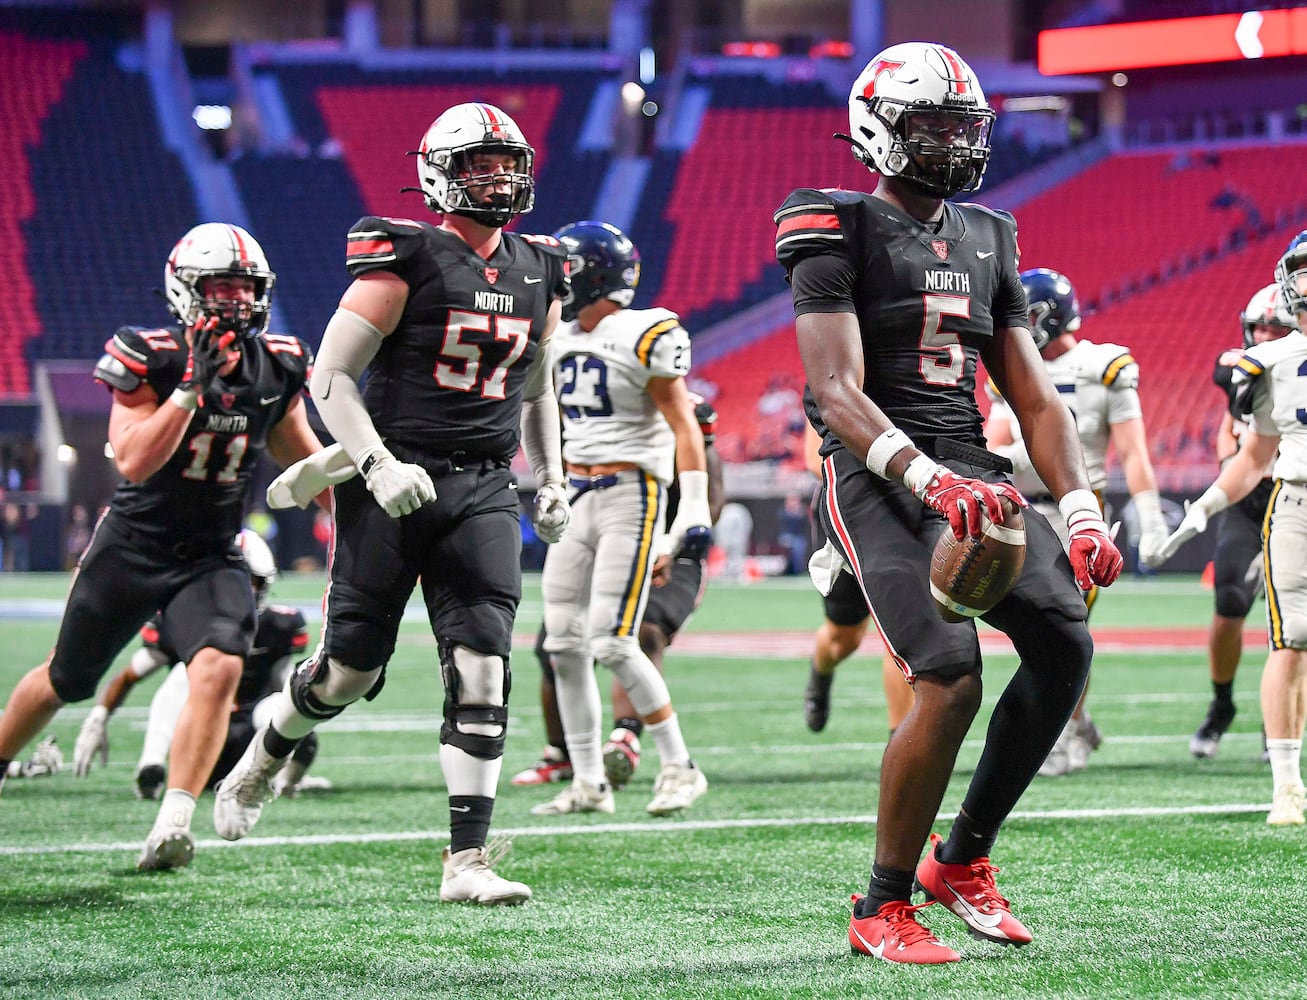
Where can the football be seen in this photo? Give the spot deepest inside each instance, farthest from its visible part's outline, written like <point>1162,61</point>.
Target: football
<point>970,576</point>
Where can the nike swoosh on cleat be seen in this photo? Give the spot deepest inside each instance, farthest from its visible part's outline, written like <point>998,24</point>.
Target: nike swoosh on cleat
<point>875,949</point>
<point>987,920</point>
<point>983,254</point>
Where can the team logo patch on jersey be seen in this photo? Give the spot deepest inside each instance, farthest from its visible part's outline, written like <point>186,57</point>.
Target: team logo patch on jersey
<point>492,274</point>
<point>940,249</point>
<point>228,400</point>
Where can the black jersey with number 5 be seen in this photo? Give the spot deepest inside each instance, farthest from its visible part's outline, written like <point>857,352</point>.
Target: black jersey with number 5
<point>199,493</point>
<point>450,376</point>
<point>927,302</point>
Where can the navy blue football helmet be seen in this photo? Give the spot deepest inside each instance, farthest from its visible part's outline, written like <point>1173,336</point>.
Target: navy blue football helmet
<point>1054,308</point>
<point>1291,275</point>
<point>602,262</point>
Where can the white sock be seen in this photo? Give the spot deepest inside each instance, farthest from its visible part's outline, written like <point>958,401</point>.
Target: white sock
<point>581,713</point>
<point>165,709</point>
<point>1286,761</point>
<point>177,808</point>
<point>669,741</point>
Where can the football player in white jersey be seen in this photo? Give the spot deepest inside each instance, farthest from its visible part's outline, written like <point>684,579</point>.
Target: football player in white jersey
<point>1237,560</point>
<point>1099,383</point>
<point>628,425</point>
<point>1271,390</point>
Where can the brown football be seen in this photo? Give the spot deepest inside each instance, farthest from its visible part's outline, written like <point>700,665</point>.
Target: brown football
<point>969,577</point>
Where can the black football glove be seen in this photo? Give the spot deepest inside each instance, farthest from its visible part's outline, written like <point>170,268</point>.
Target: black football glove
<point>209,344</point>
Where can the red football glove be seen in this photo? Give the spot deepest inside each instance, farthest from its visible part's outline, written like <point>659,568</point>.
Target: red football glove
<point>1095,559</point>
<point>962,500</point>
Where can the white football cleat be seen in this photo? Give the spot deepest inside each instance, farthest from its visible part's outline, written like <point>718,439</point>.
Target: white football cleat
<point>676,786</point>
<point>468,878</point>
<point>1286,806</point>
<point>578,797</point>
<point>167,847</point>
<point>239,798</point>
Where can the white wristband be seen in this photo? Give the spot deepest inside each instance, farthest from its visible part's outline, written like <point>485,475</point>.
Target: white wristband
<point>1213,501</point>
<point>184,399</point>
<point>1079,502</point>
<point>694,486</point>
<point>884,448</point>
<point>1149,508</point>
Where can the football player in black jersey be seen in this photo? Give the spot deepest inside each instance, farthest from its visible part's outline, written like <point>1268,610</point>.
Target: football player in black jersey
<point>898,295</point>
<point>448,321</point>
<point>1238,557</point>
<point>281,636</point>
<point>194,408</point>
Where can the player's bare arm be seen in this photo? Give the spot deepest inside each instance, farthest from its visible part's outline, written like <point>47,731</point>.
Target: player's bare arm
<point>830,345</point>
<point>1131,443</point>
<point>673,401</point>
<point>143,433</point>
<point>1248,467</point>
<point>1046,424</point>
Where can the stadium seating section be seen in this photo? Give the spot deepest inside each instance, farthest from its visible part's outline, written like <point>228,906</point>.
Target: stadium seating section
<point>1164,247</point>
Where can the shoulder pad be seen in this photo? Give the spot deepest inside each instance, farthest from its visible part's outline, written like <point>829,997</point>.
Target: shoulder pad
<point>1116,366</point>
<point>293,354</point>
<point>137,354</point>
<point>659,325</point>
<point>545,244</point>
<point>291,617</point>
<point>806,221</point>
<point>381,244</point>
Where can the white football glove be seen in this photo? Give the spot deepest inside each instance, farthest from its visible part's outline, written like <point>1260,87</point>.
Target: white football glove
<point>93,739</point>
<point>399,487</point>
<point>46,759</point>
<point>691,531</point>
<point>552,512</point>
<point>301,482</point>
<point>1196,515</point>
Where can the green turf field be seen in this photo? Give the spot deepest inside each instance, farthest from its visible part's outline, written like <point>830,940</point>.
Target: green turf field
<point>1150,874</point>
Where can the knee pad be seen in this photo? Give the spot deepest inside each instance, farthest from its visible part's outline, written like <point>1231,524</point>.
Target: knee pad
<point>565,628</point>
<point>644,684</point>
<point>1234,599</point>
<point>321,687</point>
<point>476,700</point>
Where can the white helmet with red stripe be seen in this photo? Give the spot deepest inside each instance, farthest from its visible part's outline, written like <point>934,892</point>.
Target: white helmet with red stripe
<point>917,112</point>
<point>446,168</point>
<point>218,249</point>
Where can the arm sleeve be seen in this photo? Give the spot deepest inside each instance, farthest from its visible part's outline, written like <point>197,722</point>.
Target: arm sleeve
<point>349,344</point>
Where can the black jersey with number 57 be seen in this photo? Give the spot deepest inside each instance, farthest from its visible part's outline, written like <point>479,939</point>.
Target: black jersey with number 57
<point>450,376</point>
<point>927,302</point>
<point>199,493</point>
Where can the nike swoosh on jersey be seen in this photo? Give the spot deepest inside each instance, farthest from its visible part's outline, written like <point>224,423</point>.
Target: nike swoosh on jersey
<point>990,920</point>
<point>983,254</point>
<point>269,400</point>
<point>532,281</point>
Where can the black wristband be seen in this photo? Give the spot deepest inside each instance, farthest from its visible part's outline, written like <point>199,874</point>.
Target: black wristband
<point>367,465</point>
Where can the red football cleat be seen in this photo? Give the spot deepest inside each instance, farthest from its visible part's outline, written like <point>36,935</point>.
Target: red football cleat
<point>551,768</point>
<point>892,934</point>
<point>969,891</point>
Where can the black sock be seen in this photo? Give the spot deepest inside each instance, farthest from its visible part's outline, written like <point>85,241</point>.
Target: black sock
<point>966,842</point>
<point>886,885</point>
<point>635,725</point>
<point>276,744</point>
<point>1224,692</point>
<point>469,821</point>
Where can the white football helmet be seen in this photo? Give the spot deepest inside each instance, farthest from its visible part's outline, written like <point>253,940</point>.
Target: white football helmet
<point>261,563</point>
<point>1266,308</point>
<point>218,249</point>
<point>917,112</point>
<point>444,164</point>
